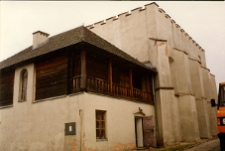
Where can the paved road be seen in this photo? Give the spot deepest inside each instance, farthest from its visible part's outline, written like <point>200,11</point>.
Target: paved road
<point>213,145</point>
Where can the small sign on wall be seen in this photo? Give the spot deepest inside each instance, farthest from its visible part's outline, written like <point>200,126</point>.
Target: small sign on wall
<point>70,128</point>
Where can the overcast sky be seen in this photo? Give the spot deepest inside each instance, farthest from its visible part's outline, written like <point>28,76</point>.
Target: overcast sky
<point>203,21</point>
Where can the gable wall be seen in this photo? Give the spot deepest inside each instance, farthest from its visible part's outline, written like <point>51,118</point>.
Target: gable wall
<point>131,32</point>
<point>150,35</point>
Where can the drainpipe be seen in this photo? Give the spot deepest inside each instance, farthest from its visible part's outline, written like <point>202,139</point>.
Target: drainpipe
<point>81,129</point>
<point>156,117</point>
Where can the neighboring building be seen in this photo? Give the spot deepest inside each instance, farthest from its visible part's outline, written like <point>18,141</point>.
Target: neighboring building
<point>83,89</point>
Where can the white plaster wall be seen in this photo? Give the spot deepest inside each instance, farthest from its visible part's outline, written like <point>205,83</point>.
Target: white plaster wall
<point>181,73</point>
<point>188,118</point>
<point>167,109</point>
<point>35,126</point>
<point>214,88</point>
<point>164,29</point>
<point>196,78</point>
<point>208,88</point>
<point>39,125</point>
<point>166,105</point>
<point>177,122</point>
<point>203,118</point>
<point>163,78</point>
<point>201,101</point>
<point>166,39</point>
<point>207,83</point>
<point>203,59</point>
<point>176,37</point>
<point>131,33</point>
<point>153,51</point>
<point>214,109</point>
<point>120,121</point>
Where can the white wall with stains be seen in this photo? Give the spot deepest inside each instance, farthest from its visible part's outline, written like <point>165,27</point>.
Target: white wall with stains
<point>38,125</point>
<point>151,35</point>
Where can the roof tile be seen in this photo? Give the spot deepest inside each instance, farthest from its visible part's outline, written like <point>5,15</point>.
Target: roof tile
<point>68,38</point>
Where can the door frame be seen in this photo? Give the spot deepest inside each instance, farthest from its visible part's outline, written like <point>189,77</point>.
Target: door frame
<point>139,133</point>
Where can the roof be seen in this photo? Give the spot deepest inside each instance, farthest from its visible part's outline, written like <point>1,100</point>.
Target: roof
<point>41,32</point>
<point>68,38</point>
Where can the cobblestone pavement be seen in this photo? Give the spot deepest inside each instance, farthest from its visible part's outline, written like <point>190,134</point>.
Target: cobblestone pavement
<point>213,145</point>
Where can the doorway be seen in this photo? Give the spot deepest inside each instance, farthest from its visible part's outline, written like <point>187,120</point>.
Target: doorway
<point>139,131</point>
<point>144,131</point>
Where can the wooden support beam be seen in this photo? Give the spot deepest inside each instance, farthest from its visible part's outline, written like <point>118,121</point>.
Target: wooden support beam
<point>131,81</point>
<point>110,76</point>
<point>147,82</point>
<point>83,70</point>
<point>69,76</point>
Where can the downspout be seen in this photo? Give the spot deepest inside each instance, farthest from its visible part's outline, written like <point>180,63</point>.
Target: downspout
<point>156,117</point>
<point>81,129</point>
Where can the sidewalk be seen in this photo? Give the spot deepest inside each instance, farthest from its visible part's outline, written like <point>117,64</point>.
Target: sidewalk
<point>212,145</point>
<point>203,145</point>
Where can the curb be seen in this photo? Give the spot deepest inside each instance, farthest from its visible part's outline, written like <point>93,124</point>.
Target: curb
<point>199,143</point>
<point>192,144</point>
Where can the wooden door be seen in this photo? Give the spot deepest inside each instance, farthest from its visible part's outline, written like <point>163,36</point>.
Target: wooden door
<point>148,131</point>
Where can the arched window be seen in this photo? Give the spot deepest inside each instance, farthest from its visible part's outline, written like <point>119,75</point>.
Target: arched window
<point>23,85</point>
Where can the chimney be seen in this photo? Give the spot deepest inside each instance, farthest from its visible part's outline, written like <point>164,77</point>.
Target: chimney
<point>39,39</point>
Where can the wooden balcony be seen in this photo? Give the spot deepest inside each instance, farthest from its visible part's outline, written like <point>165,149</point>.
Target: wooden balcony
<point>97,85</point>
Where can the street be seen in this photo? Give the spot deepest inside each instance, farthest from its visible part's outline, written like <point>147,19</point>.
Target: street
<point>212,145</point>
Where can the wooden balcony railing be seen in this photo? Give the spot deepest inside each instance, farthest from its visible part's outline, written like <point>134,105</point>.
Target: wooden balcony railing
<point>139,94</point>
<point>120,90</point>
<point>76,83</point>
<point>102,86</point>
<point>98,85</point>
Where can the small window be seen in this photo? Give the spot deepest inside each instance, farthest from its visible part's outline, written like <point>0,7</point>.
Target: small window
<point>100,124</point>
<point>23,85</point>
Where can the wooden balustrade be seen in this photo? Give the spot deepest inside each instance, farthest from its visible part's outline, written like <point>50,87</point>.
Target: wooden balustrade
<point>98,85</point>
<point>103,86</point>
<point>121,90</point>
<point>76,83</point>
<point>139,94</point>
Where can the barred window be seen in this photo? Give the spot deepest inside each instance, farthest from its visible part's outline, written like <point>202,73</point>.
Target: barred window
<point>100,124</point>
